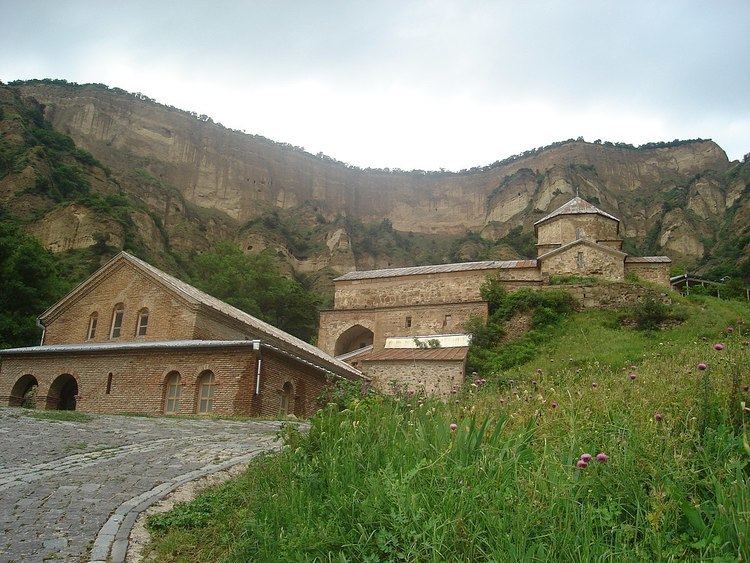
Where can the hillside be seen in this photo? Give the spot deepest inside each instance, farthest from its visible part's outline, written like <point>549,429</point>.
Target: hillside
<point>207,183</point>
<point>498,473</point>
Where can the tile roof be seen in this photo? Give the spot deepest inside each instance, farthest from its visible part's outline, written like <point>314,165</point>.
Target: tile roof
<point>436,269</point>
<point>416,354</point>
<point>283,340</point>
<point>576,206</point>
<point>648,259</point>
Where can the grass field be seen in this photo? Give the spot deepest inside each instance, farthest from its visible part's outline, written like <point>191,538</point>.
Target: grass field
<point>391,479</point>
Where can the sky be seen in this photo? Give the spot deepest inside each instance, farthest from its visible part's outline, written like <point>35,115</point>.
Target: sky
<point>411,85</point>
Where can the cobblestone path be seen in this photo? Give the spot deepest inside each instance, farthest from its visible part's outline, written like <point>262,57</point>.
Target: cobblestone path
<point>65,485</point>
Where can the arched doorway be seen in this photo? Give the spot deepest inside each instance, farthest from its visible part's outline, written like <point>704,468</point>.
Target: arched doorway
<point>23,393</point>
<point>287,399</point>
<point>62,393</point>
<point>353,338</point>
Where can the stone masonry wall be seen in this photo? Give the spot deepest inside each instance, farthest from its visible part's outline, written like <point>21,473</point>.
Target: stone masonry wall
<point>170,318</point>
<point>609,295</point>
<point>435,378</point>
<point>657,273</point>
<point>585,260</point>
<point>567,228</point>
<point>384,323</point>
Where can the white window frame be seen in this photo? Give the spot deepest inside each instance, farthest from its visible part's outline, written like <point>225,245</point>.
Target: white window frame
<point>119,308</point>
<point>93,322</point>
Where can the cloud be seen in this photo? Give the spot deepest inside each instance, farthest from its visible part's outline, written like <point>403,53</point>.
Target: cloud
<point>411,84</point>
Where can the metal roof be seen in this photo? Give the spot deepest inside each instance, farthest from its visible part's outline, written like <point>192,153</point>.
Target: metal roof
<point>648,259</point>
<point>436,269</point>
<point>416,354</point>
<point>118,346</point>
<point>576,206</point>
<point>283,340</point>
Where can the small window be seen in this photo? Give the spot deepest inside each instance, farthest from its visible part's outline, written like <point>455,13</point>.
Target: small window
<point>109,383</point>
<point>117,316</point>
<point>447,321</point>
<point>408,322</point>
<point>580,261</point>
<point>206,390</point>
<point>172,399</point>
<point>287,399</point>
<point>91,333</point>
<point>142,323</point>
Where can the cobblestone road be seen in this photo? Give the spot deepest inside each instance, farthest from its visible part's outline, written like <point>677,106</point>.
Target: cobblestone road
<point>64,485</point>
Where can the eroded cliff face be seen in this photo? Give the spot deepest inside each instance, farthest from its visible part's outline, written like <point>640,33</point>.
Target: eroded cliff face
<point>208,183</point>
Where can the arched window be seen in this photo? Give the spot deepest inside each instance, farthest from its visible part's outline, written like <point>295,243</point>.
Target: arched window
<point>287,399</point>
<point>172,394</point>
<point>91,332</point>
<point>117,315</point>
<point>206,390</point>
<point>142,322</point>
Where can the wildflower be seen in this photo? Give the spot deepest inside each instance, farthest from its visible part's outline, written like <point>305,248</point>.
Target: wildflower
<point>454,426</point>
<point>730,330</point>
<point>658,417</point>
<point>632,376</point>
<point>718,346</point>
<point>601,457</point>
<point>594,385</point>
<point>746,388</point>
<point>539,371</point>
<point>586,457</point>
<point>702,366</point>
<point>533,382</point>
<point>553,404</point>
<point>582,464</point>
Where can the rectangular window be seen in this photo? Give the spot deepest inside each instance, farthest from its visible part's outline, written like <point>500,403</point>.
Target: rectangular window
<point>408,322</point>
<point>92,328</point>
<point>109,383</point>
<point>142,324</point>
<point>447,321</point>
<point>117,324</point>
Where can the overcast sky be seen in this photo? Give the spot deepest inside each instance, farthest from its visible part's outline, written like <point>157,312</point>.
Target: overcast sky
<point>410,84</point>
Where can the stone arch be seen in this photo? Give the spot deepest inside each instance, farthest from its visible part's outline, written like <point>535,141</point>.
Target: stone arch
<point>23,392</point>
<point>62,393</point>
<point>353,338</point>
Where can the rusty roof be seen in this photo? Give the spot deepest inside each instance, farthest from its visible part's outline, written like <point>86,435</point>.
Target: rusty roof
<point>576,206</point>
<point>436,269</point>
<point>416,354</point>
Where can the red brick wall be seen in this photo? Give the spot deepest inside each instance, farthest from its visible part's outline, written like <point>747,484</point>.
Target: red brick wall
<point>139,376</point>
<point>170,318</point>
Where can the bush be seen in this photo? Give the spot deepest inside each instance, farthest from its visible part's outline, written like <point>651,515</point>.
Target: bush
<point>650,313</point>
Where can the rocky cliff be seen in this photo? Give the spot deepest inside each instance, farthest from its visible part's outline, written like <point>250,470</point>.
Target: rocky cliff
<point>206,183</point>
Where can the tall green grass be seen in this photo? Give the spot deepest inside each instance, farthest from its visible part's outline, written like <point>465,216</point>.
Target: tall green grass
<point>387,479</point>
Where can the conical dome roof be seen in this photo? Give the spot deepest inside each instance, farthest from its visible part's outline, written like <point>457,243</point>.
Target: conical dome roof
<point>576,206</point>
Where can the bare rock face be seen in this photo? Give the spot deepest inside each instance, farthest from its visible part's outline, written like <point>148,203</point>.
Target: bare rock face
<point>74,227</point>
<point>206,182</point>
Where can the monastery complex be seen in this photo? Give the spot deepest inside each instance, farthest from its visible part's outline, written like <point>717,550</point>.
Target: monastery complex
<point>132,338</point>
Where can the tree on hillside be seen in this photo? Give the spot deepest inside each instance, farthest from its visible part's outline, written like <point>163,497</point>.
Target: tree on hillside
<point>255,285</point>
<point>30,284</point>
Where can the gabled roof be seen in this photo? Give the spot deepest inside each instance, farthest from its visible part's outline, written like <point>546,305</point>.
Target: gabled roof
<point>193,295</point>
<point>584,241</point>
<point>436,269</point>
<point>576,206</point>
<point>648,259</point>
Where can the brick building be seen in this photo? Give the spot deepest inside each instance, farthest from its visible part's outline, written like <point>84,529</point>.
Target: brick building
<point>377,314</point>
<point>132,338</point>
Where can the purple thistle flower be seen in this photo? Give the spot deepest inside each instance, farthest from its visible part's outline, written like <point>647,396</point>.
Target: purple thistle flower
<point>594,385</point>
<point>718,346</point>
<point>582,464</point>
<point>658,417</point>
<point>533,382</point>
<point>702,366</point>
<point>586,457</point>
<point>454,426</point>
<point>601,457</point>
<point>539,371</point>
<point>553,404</point>
<point>632,376</point>
<point>730,329</point>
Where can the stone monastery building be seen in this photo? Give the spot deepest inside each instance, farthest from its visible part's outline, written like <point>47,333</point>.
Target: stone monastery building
<point>383,320</point>
<point>132,338</point>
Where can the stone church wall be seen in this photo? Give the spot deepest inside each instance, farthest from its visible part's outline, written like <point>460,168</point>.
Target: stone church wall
<point>435,378</point>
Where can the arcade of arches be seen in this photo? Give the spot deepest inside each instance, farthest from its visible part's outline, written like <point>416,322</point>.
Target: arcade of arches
<point>353,339</point>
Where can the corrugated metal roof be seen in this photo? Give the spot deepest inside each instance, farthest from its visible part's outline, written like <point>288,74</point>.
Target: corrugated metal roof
<point>446,340</point>
<point>118,346</point>
<point>576,206</point>
<point>416,354</point>
<point>648,259</point>
<point>436,269</point>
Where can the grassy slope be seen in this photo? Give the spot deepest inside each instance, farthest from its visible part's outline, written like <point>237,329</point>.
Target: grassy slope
<point>386,479</point>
